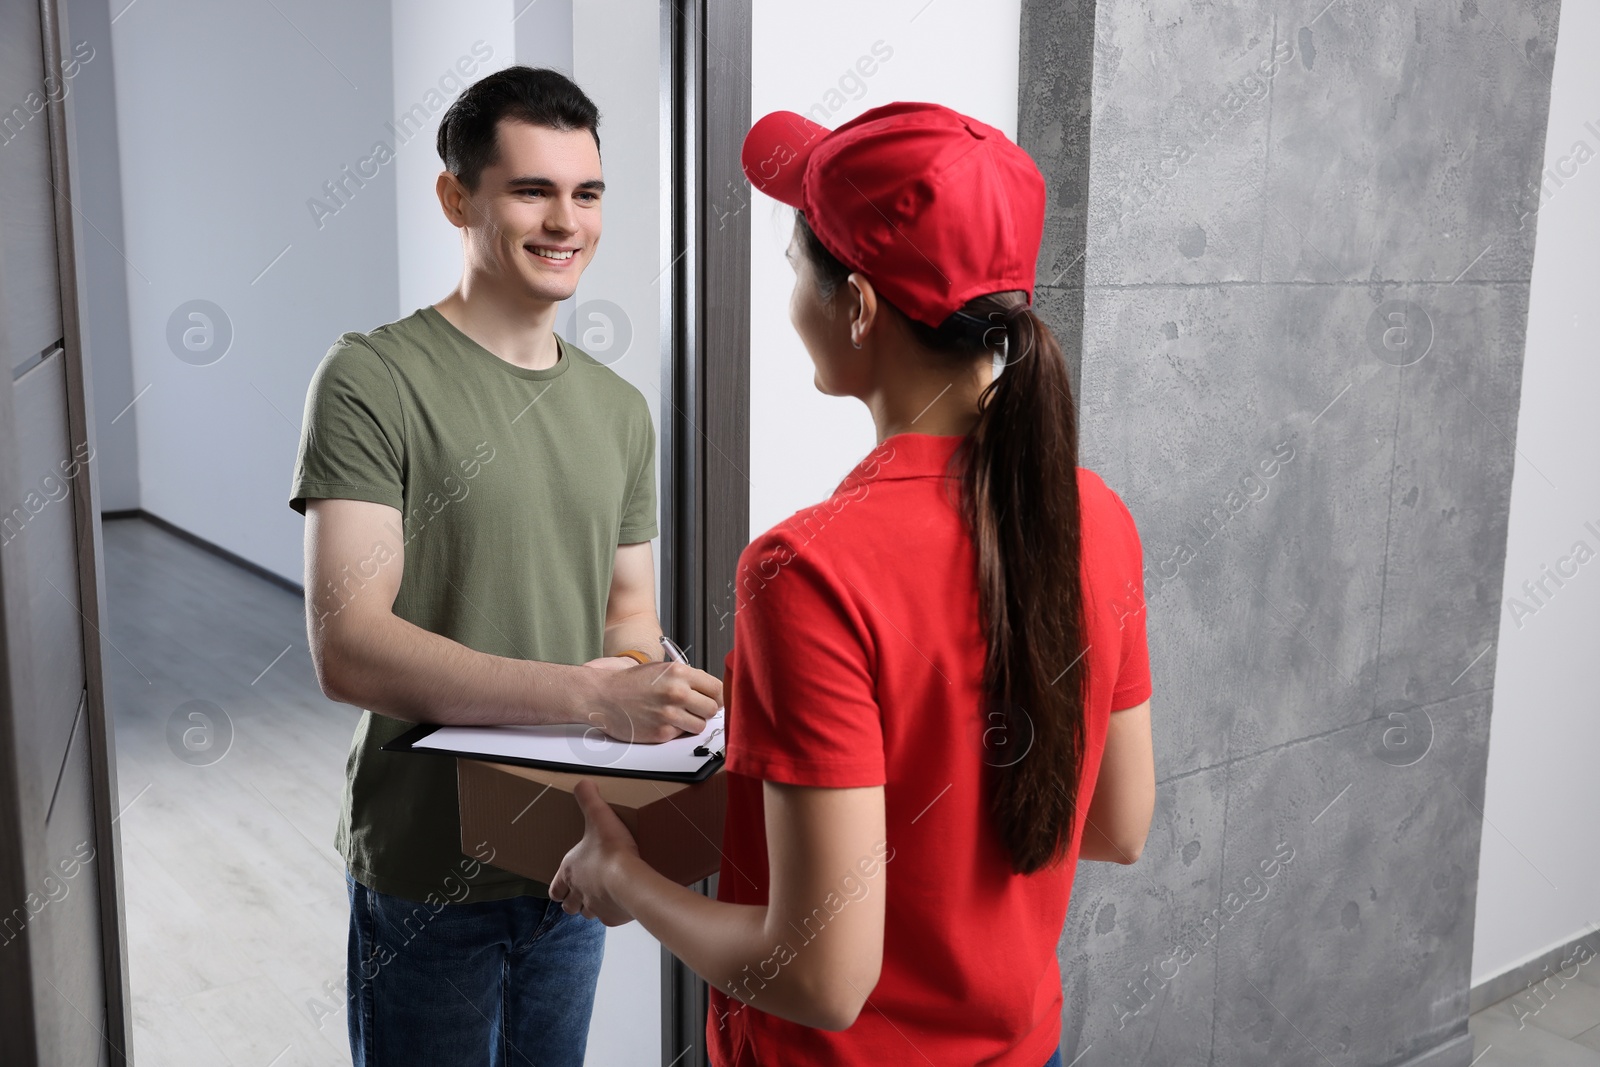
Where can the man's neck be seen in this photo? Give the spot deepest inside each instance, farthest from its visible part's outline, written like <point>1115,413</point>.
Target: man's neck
<point>522,334</point>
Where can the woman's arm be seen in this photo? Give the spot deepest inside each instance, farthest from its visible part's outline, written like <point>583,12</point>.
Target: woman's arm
<point>811,955</point>
<point>1124,801</point>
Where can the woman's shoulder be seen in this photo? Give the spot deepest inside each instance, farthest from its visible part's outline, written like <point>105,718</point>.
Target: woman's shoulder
<point>835,538</point>
<point>1092,488</point>
<point>863,508</point>
<point>1090,482</point>
<point>789,537</point>
<point>1101,506</point>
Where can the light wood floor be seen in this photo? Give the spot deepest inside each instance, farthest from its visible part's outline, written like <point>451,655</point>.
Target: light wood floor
<point>235,896</point>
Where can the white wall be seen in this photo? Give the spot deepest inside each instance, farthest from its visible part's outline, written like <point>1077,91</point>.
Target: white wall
<point>1539,867</point>
<point>429,40</point>
<point>802,442</point>
<point>228,126</point>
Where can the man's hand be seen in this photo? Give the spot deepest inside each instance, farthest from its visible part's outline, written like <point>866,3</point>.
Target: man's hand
<point>654,702</point>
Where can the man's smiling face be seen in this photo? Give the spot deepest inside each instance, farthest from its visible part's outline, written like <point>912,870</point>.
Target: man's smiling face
<point>538,209</point>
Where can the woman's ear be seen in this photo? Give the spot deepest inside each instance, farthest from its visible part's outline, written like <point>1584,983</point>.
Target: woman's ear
<point>864,307</point>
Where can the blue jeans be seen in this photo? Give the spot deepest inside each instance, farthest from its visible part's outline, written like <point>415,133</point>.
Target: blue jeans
<point>507,983</point>
<point>1055,1059</point>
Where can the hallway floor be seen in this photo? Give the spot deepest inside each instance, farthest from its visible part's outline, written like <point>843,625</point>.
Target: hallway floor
<point>1558,1027</point>
<point>235,896</point>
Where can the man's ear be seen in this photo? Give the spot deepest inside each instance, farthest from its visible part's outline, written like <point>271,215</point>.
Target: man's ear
<point>864,307</point>
<point>453,198</point>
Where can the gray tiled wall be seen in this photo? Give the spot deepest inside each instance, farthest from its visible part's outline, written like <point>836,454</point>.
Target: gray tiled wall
<point>1290,237</point>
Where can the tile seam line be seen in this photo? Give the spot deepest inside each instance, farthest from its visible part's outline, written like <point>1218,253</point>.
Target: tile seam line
<point>1311,737</point>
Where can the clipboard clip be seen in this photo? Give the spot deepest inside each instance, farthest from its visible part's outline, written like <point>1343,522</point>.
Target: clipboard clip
<point>707,750</point>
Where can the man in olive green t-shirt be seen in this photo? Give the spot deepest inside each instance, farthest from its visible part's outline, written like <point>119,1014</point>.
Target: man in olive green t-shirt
<point>480,499</point>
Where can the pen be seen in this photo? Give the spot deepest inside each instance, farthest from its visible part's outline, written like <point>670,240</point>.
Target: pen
<point>675,654</point>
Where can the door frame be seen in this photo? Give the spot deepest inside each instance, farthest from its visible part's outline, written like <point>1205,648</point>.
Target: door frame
<point>705,323</point>
<point>21,831</point>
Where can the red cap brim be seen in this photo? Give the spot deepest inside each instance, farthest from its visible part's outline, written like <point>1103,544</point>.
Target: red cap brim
<point>775,153</point>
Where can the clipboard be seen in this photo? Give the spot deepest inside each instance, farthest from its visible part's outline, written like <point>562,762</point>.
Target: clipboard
<point>573,748</point>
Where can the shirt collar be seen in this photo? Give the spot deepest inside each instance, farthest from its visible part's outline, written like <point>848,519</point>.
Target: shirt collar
<point>905,455</point>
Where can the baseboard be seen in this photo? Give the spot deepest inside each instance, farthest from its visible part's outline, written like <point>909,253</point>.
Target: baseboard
<point>1545,965</point>
<point>1456,1052</point>
<point>200,542</point>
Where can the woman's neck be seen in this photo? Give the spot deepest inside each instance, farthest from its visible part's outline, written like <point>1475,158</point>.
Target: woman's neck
<point>921,400</point>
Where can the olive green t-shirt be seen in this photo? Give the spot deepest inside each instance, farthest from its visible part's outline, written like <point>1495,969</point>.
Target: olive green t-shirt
<point>516,486</point>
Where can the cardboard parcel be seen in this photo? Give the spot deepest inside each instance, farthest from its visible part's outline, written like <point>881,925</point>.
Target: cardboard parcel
<point>531,818</point>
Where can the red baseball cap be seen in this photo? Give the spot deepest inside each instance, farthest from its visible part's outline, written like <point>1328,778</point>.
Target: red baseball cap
<point>936,208</point>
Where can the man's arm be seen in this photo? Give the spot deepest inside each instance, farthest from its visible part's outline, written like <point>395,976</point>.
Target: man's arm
<point>368,656</point>
<point>631,620</point>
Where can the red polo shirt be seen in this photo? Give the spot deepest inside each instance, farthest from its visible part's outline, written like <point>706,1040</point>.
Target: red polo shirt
<point>857,661</point>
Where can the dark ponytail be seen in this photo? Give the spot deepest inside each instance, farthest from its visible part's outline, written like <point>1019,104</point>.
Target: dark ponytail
<point>1020,491</point>
<point>1019,496</point>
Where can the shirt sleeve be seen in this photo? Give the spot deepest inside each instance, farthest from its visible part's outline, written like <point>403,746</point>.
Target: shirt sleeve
<point>352,440</point>
<point>801,705</point>
<point>1133,679</point>
<point>639,515</point>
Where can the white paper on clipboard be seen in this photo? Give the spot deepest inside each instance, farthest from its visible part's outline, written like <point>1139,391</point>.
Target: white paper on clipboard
<point>579,745</point>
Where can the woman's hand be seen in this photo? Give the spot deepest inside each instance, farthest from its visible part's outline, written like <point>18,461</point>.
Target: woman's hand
<point>590,869</point>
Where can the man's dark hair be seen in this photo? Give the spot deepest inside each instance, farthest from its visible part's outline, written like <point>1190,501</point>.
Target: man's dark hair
<point>535,95</point>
